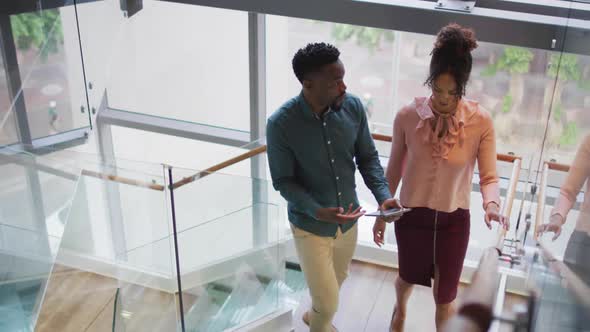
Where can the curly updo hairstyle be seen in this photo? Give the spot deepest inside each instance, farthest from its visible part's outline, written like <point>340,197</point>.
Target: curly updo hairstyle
<point>452,54</point>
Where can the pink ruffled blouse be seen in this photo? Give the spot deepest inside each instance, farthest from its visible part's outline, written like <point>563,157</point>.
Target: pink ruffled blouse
<point>436,165</point>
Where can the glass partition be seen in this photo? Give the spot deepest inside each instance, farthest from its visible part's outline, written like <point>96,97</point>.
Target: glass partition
<point>34,209</point>
<point>111,253</point>
<point>230,250</point>
<point>561,295</point>
<point>562,170</point>
<point>557,269</point>
<point>116,259</point>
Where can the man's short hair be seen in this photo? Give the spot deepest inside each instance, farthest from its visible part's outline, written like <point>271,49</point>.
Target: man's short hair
<point>312,58</point>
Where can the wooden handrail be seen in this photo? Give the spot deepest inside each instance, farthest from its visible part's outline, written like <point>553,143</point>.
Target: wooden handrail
<point>509,158</point>
<point>578,287</point>
<point>481,292</point>
<point>262,149</point>
<point>540,215</point>
<point>215,168</point>
<point>501,157</point>
<point>120,179</point>
<point>75,177</point>
<point>557,166</point>
<point>548,165</point>
<point>381,137</point>
<point>244,156</point>
<point>506,210</point>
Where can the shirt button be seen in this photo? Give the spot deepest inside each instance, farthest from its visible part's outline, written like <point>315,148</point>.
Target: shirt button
<point>337,178</point>
<point>324,124</point>
<point>332,161</point>
<point>329,142</point>
<point>339,194</point>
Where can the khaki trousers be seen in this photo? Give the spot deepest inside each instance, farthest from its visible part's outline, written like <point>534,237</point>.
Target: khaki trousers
<point>324,262</point>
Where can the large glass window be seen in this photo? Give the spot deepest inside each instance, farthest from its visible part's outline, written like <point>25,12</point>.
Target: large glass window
<point>568,126</point>
<point>569,95</point>
<point>48,55</point>
<point>387,69</point>
<point>522,88</point>
<point>367,54</point>
<point>177,61</point>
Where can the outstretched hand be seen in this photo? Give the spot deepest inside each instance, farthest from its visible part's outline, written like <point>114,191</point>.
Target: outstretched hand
<point>337,215</point>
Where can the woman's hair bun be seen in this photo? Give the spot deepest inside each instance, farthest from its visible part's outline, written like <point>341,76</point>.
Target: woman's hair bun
<point>456,40</point>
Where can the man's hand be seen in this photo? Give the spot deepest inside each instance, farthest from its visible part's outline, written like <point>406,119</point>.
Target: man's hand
<point>336,215</point>
<point>554,226</point>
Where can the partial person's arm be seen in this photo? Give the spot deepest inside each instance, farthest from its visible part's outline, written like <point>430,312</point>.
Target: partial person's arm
<point>393,174</point>
<point>282,170</point>
<point>577,175</point>
<point>397,155</point>
<point>368,163</point>
<point>486,162</point>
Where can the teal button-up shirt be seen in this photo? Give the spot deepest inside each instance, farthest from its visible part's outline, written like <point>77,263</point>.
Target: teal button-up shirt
<point>313,160</point>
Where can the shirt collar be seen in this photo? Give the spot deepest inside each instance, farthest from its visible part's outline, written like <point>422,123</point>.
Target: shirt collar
<point>305,107</point>
<point>307,112</point>
<point>465,109</point>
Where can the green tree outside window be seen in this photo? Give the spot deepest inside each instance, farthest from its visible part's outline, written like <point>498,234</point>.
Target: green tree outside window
<point>40,30</point>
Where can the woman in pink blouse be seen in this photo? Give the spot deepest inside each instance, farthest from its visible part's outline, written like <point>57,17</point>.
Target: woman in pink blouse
<point>577,252</point>
<point>436,142</point>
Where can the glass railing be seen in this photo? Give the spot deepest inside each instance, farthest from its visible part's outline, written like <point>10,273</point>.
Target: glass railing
<point>233,280</point>
<point>231,257</point>
<point>111,241</point>
<point>562,293</point>
<point>560,274</point>
<point>129,239</point>
<point>34,208</point>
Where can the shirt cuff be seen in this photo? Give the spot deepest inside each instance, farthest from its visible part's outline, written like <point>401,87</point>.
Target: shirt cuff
<point>490,193</point>
<point>562,207</point>
<point>311,207</point>
<point>383,196</point>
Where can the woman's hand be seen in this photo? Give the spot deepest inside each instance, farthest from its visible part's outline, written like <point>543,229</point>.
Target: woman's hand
<point>554,226</point>
<point>391,203</point>
<point>493,214</point>
<point>379,232</point>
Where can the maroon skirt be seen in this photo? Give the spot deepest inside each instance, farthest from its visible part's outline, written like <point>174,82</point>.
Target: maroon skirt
<point>426,238</point>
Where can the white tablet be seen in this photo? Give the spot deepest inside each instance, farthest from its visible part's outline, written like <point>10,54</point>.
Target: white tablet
<point>396,212</point>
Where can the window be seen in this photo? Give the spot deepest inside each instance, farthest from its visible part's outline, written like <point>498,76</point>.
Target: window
<point>176,61</point>
<point>50,69</point>
<point>387,69</point>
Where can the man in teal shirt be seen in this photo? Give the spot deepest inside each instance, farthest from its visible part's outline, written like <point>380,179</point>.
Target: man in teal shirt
<point>316,141</point>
